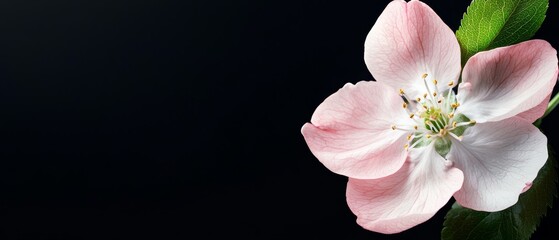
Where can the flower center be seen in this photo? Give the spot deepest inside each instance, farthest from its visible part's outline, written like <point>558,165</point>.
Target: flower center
<point>434,114</point>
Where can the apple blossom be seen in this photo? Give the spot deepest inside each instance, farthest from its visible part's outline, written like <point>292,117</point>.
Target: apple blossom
<point>408,142</point>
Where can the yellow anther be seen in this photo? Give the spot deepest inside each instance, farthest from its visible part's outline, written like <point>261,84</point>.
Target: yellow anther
<point>425,95</point>
<point>454,124</point>
<point>472,121</point>
<point>415,127</point>
<point>412,115</point>
<point>409,137</point>
<point>435,81</point>
<point>425,106</point>
<point>424,75</point>
<point>440,101</point>
<point>455,105</point>
<point>428,136</point>
<point>405,105</point>
<point>393,127</point>
<point>402,91</point>
<point>451,83</point>
<point>450,115</point>
<point>406,146</point>
<point>419,99</point>
<point>442,132</point>
<point>434,94</point>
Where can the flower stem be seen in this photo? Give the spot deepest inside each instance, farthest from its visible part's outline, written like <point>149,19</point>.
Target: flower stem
<point>552,104</point>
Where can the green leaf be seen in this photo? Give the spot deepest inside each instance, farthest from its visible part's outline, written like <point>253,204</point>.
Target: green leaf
<point>488,24</point>
<point>516,222</point>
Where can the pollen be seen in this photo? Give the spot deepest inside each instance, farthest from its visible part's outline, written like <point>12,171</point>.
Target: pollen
<point>451,83</point>
<point>402,91</point>
<point>424,75</point>
<point>435,81</point>
<point>450,115</point>
<point>405,105</point>
<point>409,137</point>
<point>412,115</point>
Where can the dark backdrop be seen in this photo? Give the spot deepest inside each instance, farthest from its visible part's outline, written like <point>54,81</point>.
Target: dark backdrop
<point>171,119</point>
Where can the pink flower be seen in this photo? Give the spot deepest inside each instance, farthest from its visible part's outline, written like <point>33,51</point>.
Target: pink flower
<point>408,143</point>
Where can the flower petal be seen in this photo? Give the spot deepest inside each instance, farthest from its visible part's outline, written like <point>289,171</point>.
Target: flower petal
<point>407,41</point>
<point>531,115</point>
<point>498,160</point>
<point>504,82</point>
<point>351,131</point>
<point>407,198</point>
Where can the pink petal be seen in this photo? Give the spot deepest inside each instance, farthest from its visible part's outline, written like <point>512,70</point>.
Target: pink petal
<point>407,41</point>
<point>407,198</point>
<point>498,160</point>
<point>351,131</point>
<point>531,115</point>
<point>504,82</point>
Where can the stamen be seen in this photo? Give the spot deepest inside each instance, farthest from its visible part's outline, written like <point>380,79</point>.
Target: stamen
<point>412,115</point>
<point>405,105</point>
<point>451,115</point>
<point>462,124</point>
<point>455,136</point>
<point>427,88</point>
<point>441,122</point>
<point>409,137</point>
<point>449,97</point>
<point>454,124</point>
<point>436,124</point>
<point>455,105</point>
<point>406,146</point>
<point>394,127</point>
<point>415,127</point>
<point>430,124</point>
<point>434,94</point>
<point>417,142</point>
<point>435,81</point>
<point>402,91</point>
<point>451,83</point>
<point>419,99</point>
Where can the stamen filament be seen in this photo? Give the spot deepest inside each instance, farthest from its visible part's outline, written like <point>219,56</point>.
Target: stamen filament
<point>427,87</point>
<point>394,127</point>
<point>455,136</point>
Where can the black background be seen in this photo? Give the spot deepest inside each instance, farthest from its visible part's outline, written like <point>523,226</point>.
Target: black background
<point>175,119</point>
